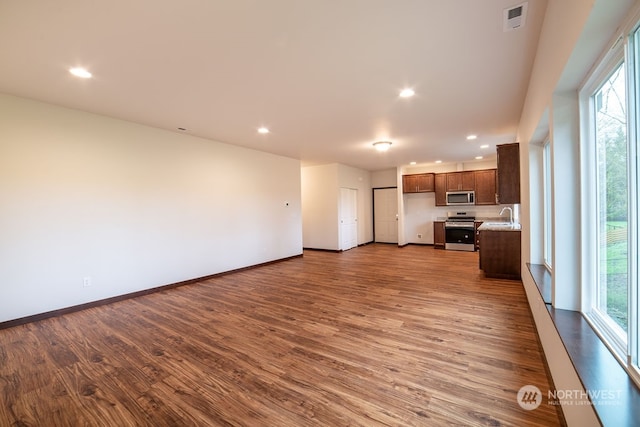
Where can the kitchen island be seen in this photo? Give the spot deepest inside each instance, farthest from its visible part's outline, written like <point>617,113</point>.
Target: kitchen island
<point>500,250</point>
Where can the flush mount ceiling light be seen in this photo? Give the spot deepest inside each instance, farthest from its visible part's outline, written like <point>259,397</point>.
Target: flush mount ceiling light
<point>263,130</point>
<point>382,145</point>
<point>80,72</point>
<point>407,93</point>
<point>478,157</point>
<point>472,137</point>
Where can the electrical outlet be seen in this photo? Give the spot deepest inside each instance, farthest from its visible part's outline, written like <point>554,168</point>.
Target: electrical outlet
<point>86,282</point>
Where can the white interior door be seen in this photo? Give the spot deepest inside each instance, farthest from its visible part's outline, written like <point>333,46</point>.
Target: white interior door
<point>348,218</point>
<point>385,212</point>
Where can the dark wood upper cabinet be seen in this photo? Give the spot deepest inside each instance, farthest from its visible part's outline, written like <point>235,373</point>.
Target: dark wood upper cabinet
<point>409,183</point>
<point>418,183</point>
<point>461,181</point>
<point>441,189</point>
<point>486,187</point>
<point>508,173</point>
<point>483,182</point>
<point>426,182</point>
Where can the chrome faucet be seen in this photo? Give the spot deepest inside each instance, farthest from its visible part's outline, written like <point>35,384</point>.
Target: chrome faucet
<point>510,213</point>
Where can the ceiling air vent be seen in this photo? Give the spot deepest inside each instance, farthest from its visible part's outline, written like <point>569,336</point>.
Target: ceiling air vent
<point>515,17</point>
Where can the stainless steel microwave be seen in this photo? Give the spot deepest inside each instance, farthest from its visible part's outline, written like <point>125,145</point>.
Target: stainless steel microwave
<point>461,198</point>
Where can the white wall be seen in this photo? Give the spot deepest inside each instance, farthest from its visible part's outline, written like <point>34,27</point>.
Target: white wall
<point>384,178</point>
<point>559,35</point>
<point>131,207</point>
<point>358,179</point>
<point>419,213</point>
<point>320,200</point>
<point>567,244</point>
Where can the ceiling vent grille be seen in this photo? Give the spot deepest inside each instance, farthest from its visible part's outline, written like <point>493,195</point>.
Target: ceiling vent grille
<point>515,17</point>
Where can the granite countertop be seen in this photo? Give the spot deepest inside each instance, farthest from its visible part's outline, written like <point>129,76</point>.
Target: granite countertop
<point>499,226</point>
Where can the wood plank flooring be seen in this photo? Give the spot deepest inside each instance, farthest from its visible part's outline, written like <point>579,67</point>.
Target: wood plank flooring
<point>375,336</point>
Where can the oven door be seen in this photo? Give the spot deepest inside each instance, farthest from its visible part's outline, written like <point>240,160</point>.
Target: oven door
<point>459,237</point>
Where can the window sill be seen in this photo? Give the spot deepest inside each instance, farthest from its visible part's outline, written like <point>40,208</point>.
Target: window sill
<point>542,278</point>
<point>598,370</point>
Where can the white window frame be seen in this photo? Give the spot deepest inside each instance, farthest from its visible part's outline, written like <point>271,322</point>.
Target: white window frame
<point>623,48</point>
<point>547,205</point>
<point>603,325</point>
<point>633,87</point>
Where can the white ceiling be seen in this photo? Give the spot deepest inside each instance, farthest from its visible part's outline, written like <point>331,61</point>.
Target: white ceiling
<point>323,75</point>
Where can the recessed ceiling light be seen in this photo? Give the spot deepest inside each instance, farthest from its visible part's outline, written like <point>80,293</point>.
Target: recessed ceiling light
<point>407,93</point>
<point>80,72</point>
<point>382,145</point>
<point>484,146</point>
<point>471,137</point>
<point>412,163</point>
<point>263,130</point>
<point>438,161</point>
<point>478,157</point>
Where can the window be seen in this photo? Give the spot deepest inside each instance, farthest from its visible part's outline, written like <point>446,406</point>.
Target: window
<point>633,210</point>
<point>611,101</point>
<point>611,293</point>
<point>547,199</point>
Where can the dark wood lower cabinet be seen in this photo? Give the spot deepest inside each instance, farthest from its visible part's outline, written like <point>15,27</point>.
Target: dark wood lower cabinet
<point>438,234</point>
<point>476,233</point>
<point>500,254</point>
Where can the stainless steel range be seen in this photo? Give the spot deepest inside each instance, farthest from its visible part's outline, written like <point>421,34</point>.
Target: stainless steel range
<point>459,231</point>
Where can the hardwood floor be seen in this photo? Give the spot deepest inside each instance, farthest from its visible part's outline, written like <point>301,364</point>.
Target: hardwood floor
<point>377,335</point>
